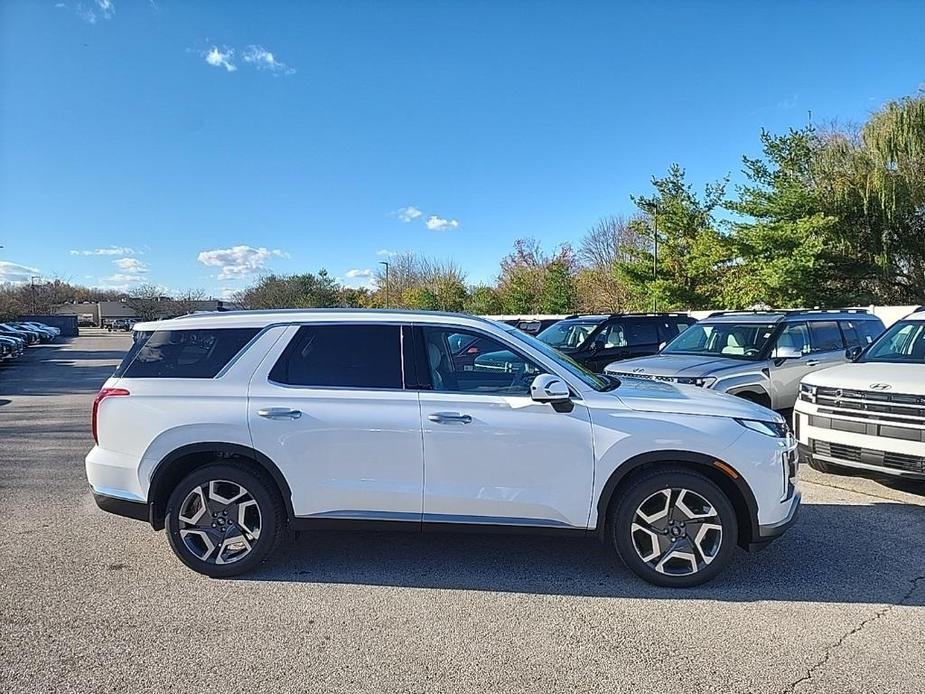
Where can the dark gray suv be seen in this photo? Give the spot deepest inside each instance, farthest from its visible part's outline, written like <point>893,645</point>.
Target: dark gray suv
<point>757,355</point>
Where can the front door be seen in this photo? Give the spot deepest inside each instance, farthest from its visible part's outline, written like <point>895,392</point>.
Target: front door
<point>328,406</point>
<point>492,454</point>
<point>786,374</point>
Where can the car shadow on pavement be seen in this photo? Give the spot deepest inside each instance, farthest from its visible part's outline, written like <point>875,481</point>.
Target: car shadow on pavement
<point>834,553</point>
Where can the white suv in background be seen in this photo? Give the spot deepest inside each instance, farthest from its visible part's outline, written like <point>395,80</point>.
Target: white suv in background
<point>869,414</point>
<point>227,427</point>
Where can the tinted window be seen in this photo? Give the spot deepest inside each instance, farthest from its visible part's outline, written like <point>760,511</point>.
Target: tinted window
<point>641,333</point>
<point>183,353</point>
<point>342,356</point>
<point>869,330</point>
<point>794,336</point>
<point>495,369</point>
<point>824,336</point>
<point>568,333</point>
<point>851,335</point>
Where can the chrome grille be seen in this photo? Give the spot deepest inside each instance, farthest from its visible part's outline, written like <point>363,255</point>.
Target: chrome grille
<point>872,406</point>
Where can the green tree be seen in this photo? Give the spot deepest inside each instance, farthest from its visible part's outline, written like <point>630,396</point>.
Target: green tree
<point>559,295</point>
<point>484,301</point>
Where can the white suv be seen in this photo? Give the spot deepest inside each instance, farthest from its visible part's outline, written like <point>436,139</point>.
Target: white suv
<point>870,414</point>
<point>227,427</point>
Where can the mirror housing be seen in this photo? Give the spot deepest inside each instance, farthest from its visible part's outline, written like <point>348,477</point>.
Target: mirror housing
<point>853,352</point>
<point>787,353</point>
<point>662,346</point>
<point>549,388</point>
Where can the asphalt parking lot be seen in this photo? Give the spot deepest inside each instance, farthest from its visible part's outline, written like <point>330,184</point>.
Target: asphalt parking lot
<point>93,603</point>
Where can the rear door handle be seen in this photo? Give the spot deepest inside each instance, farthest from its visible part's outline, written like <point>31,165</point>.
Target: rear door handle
<point>279,413</point>
<point>446,417</point>
<point>813,362</point>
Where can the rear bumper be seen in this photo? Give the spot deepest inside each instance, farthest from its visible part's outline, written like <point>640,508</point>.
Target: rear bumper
<point>123,507</point>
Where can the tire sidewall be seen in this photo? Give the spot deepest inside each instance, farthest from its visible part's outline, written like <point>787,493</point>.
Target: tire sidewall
<point>625,509</point>
<point>258,488</point>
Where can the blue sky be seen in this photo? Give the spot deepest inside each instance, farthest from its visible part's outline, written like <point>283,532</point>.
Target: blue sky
<point>197,144</point>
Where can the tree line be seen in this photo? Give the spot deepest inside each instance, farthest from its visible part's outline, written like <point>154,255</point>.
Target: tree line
<point>826,216</point>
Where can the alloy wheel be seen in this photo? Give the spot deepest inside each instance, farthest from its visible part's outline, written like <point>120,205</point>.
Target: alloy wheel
<point>677,531</point>
<point>219,522</point>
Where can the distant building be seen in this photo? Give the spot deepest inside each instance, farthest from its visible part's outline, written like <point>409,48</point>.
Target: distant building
<point>101,313</point>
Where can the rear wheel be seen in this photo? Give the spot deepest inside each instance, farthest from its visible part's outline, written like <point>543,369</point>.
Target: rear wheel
<point>223,519</point>
<point>674,527</point>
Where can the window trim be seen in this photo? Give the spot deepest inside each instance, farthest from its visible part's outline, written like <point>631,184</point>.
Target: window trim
<point>301,324</point>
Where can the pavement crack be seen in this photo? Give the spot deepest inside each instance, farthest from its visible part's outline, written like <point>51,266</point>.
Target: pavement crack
<point>827,654</point>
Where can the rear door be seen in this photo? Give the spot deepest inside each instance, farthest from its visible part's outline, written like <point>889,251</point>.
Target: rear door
<point>827,346</point>
<point>329,406</point>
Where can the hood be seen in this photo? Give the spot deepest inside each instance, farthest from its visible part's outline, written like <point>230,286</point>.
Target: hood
<point>901,378</point>
<point>657,396</point>
<point>676,365</point>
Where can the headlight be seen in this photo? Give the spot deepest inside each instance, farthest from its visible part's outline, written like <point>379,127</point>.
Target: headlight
<point>807,392</point>
<point>699,381</point>
<point>778,430</point>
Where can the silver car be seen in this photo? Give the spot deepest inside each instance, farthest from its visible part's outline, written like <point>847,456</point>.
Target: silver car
<point>760,356</point>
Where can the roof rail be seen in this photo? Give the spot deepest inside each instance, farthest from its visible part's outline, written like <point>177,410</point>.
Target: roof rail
<point>786,311</point>
<point>651,313</point>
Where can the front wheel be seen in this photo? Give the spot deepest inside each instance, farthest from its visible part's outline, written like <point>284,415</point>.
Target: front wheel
<point>223,519</point>
<point>674,527</point>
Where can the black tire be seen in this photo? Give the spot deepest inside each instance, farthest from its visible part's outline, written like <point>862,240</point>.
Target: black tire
<point>270,515</point>
<point>648,486</point>
<point>821,465</point>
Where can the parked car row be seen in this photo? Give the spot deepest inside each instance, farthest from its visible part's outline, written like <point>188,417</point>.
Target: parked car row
<point>16,336</point>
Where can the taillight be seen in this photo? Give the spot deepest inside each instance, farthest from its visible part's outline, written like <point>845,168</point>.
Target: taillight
<point>102,395</point>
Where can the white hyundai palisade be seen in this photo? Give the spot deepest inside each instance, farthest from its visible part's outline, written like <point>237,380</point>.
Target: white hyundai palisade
<point>226,428</point>
<point>870,414</point>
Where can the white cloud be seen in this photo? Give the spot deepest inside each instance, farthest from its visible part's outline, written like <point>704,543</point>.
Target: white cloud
<point>15,273</point>
<point>358,278</point>
<point>262,59</point>
<point>131,265</point>
<point>111,250</point>
<point>238,261</point>
<point>386,253</point>
<point>122,277</point>
<point>408,214</point>
<point>94,10</point>
<point>221,58</point>
<point>435,223</point>
<point>353,274</point>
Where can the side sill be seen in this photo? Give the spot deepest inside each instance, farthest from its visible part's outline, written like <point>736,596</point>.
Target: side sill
<point>414,526</point>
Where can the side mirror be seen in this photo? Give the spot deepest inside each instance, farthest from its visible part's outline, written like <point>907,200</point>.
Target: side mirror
<point>787,353</point>
<point>662,346</point>
<point>853,352</point>
<point>549,388</point>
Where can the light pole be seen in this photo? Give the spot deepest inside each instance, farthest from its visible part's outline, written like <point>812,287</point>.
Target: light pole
<point>386,264</point>
<point>655,259</point>
<point>32,282</point>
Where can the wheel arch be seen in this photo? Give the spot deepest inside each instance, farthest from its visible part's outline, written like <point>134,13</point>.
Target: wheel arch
<point>183,460</point>
<point>717,471</point>
<point>755,393</point>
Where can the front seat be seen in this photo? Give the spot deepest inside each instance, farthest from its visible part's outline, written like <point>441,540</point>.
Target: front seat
<point>441,375</point>
<point>733,345</point>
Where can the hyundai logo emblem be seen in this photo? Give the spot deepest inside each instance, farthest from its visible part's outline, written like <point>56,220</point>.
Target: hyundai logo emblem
<point>880,386</point>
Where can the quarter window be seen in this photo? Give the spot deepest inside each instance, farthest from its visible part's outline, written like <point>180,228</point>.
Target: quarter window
<point>183,353</point>
<point>641,333</point>
<point>342,356</point>
<point>493,369</point>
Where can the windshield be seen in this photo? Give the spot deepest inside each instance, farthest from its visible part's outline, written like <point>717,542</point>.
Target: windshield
<point>596,381</point>
<point>903,343</point>
<point>733,340</point>
<point>568,334</point>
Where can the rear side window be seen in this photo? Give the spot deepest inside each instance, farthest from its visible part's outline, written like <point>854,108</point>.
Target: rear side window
<point>183,353</point>
<point>342,356</point>
<point>641,333</point>
<point>824,336</point>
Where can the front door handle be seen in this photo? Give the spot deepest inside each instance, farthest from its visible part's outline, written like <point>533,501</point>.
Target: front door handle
<point>279,413</point>
<point>813,362</point>
<point>446,417</point>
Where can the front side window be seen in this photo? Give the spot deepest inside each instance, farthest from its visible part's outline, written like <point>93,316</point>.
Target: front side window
<point>568,334</point>
<point>494,370</point>
<point>794,336</point>
<point>613,335</point>
<point>342,356</point>
<point>640,333</point>
<point>734,340</point>
<point>824,336</point>
<point>183,353</point>
<point>904,342</point>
